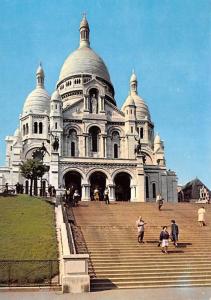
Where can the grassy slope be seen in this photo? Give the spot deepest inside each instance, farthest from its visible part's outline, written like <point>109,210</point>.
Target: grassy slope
<point>27,229</point>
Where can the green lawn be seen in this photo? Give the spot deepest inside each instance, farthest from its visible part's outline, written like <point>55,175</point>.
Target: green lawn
<point>27,232</point>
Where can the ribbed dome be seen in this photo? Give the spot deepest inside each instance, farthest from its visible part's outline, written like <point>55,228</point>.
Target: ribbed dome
<point>17,132</point>
<point>38,101</point>
<point>129,101</point>
<point>55,95</point>
<point>84,60</point>
<point>142,110</point>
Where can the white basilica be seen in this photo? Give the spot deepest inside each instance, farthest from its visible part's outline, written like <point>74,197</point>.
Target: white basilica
<point>90,142</point>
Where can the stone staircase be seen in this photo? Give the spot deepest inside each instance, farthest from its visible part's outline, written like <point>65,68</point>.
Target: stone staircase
<point>109,234</point>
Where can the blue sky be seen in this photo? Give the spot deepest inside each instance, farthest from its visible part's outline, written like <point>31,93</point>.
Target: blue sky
<point>168,42</point>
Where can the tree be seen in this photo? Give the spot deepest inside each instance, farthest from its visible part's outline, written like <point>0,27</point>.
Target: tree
<point>32,169</point>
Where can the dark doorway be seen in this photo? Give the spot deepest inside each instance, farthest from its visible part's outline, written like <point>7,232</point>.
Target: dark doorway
<point>97,181</point>
<point>73,181</point>
<point>122,186</point>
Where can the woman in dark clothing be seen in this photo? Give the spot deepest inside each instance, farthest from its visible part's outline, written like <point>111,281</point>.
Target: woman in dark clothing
<point>174,232</point>
<point>164,239</point>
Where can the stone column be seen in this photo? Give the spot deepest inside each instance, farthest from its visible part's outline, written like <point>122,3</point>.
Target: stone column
<point>86,103</point>
<point>133,193</point>
<point>102,103</point>
<point>104,146</point>
<point>85,192</point>
<point>112,192</point>
<point>86,145</point>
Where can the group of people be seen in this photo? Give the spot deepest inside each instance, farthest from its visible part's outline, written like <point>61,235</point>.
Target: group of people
<point>51,191</point>
<point>96,195</point>
<point>164,235</point>
<point>72,196</point>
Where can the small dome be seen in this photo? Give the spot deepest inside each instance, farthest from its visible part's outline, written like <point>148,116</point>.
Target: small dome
<point>55,95</point>
<point>84,61</point>
<point>17,132</point>
<point>157,139</point>
<point>129,101</point>
<point>38,101</point>
<point>142,110</point>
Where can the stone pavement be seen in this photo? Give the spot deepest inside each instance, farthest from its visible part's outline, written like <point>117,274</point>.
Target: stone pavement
<point>185,293</point>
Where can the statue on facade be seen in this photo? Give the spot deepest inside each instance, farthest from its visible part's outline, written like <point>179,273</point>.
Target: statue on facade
<point>39,153</point>
<point>138,147</point>
<point>55,143</point>
<point>94,104</point>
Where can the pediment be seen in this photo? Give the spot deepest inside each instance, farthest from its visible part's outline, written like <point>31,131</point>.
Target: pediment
<point>74,110</point>
<point>113,113</point>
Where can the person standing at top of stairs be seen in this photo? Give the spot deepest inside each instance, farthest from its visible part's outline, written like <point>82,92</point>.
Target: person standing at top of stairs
<point>140,227</point>
<point>159,201</point>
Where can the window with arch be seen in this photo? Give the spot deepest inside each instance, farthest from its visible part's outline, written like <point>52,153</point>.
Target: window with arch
<point>94,135</point>
<point>153,190</point>
<point>40,127</point>
<point>116,151</point>
<point>55,125</point>
<point>141,132</point>
<point>116,143</point>
<point>24,129</point>
<point>147,186</point>
<point>72,149</point>
<point>27,128</point>
<point>35,127</point>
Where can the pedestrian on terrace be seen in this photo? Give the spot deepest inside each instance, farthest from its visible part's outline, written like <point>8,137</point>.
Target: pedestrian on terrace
<point>174,232</point>
<point>201,216</point>
<point>106,195</point>
<point>164,239</point>
<point>159,201</point>
<point>140,227</point>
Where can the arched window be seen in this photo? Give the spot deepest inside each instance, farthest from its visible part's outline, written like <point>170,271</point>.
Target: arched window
<point>24,129</point>
<point>147,186</point>
<point>153,190</point>
<point>27,128</point>
<point>116,144</point>
<point>94,134</point>
<point>55,125</point>
<point>72,149</point>
<point>40,127</point>
<point>115,151</point>
<point>141,132</point>
<point>35,127</point>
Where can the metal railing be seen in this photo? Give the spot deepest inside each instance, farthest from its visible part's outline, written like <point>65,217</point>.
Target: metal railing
<point>29,272</point>
<point>68,229</point>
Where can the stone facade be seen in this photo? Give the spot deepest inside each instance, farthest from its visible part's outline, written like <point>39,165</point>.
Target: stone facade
<point>90,142</point>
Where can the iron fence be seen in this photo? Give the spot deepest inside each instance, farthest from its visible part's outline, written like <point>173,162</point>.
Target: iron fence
<point>29,272</point>
<point>68,229</point>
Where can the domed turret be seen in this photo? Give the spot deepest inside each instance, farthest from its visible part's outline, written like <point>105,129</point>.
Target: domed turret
<point>38,101</point>
<point>158,145</point>
<point>142,111</point>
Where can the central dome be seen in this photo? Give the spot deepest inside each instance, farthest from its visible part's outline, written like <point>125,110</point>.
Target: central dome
<point>84,61</point>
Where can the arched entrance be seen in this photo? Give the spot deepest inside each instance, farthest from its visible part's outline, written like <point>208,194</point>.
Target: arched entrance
<point>72,180</point>
<point>97,181</point>
<point>122,186</point>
